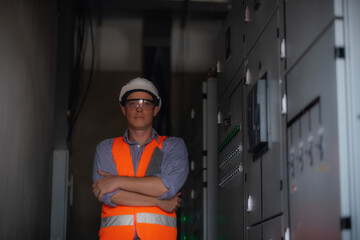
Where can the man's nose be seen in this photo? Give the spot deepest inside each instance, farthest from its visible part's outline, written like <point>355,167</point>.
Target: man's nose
<point>139,107</point>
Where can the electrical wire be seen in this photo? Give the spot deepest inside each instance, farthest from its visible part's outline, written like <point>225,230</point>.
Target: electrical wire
<point>78,69</point>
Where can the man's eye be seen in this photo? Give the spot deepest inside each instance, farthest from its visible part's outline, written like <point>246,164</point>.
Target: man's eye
<point>132,104</point>
<point>148,104</point>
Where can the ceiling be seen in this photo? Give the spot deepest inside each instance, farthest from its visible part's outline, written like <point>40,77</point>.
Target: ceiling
<point>215,9</point>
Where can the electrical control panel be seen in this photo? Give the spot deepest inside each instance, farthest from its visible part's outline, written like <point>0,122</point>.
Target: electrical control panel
<point>257,117</point>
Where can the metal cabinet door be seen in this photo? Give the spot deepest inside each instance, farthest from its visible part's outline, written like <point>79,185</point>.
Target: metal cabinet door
<point>235,31</point>
<point>254,208</point>
<point>221,59</point>
<point>272,229</point>
<point>305,21</point>
<point>231,178</point>
<point>264,60</point>
<point>267,48</point>
<point>231,209</point>
<point>255,233</point>
<point>258,14</point>
<point>312,101</point>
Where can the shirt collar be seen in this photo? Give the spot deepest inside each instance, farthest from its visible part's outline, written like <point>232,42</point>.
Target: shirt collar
<point>154,134</point>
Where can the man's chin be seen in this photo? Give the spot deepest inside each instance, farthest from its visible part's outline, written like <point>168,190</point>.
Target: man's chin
<point>139,127</point>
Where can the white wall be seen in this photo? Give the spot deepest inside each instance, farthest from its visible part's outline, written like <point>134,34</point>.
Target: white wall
<point>194,48</point>
<point>27,78</point>
<point>119,45</point>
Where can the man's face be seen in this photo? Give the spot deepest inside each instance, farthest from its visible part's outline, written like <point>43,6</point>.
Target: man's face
<point>139,110</point>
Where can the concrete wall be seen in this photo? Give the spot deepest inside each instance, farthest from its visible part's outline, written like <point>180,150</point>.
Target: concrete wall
<point>27,79</point>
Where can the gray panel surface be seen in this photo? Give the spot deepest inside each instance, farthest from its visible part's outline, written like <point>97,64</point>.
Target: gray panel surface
<point>232,34</point>
<point>305,20</point>
<point>59,200</point>
<point>231,209</point>
<point>266,54</point>
<point>268,47</point>
<point>220,53</point>
<point>255,233</point>
<point>231,193</point>
<point>314,187</point>
<point>258,17</point>
<point>254,192</point>
<point>236,23</point>
<point>272,229</point>
<point>352,21</point>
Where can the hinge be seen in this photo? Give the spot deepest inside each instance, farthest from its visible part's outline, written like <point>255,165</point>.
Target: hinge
<point>247,14</point>
<point>345,223</point>
<point>281,185</point>
<point>248,77</point>
<point>287,234</point>
<point>284,104</point>
<point>218,67</point>
<point>339,52</point>
<point>283,49</point>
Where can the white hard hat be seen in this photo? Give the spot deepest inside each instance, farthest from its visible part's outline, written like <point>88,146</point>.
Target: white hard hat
<point>139,84</point>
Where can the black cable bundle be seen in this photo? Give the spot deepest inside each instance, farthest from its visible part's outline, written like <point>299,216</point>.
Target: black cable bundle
<point>77,98</point>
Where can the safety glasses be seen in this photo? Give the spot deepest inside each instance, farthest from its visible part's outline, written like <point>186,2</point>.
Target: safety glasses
<point>145,104</point>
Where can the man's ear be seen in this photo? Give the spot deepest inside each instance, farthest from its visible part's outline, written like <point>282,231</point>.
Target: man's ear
<point>123,110</point>
<point>156,110</point>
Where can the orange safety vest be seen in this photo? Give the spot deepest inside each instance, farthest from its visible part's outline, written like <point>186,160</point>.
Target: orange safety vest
<point>151,222</point>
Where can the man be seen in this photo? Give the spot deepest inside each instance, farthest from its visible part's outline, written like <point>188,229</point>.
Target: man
<point>138,176</point>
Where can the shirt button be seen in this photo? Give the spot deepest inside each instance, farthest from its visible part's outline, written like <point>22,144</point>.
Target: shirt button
<point>138,145</point>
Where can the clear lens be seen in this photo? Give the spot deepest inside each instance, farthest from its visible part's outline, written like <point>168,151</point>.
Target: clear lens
<point>145,104</point>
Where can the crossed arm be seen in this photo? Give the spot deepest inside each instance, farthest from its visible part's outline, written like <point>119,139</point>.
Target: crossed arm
<point>135,191</point>
<point>154,190</point>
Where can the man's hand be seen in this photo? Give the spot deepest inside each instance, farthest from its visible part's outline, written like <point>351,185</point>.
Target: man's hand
<point>104,185</point>
<point>170,205</point>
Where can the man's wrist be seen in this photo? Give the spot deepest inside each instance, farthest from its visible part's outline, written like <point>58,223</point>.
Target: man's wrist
<point>118,182</point>
<point>157,202</point>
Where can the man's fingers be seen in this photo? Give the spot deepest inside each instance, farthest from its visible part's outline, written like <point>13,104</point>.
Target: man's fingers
<point>99,195</point>
<point>102,173</point>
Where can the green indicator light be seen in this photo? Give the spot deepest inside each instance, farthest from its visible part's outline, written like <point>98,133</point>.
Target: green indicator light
<point>192,237</point>
<point>228,138</point>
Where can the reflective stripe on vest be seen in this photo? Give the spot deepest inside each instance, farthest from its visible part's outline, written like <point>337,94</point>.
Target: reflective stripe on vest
<point>125,220</point>
<point>121,220</point>
<point>156,219</point>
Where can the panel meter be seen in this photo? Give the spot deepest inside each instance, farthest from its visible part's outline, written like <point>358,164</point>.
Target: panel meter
<point>257,118</point>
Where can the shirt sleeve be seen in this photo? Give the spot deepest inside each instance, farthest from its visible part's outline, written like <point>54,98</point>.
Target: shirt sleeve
<point>174,167</point>
<point>104,161</point>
